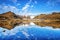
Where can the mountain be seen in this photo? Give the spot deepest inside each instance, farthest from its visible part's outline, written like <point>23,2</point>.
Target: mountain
<point>54,15</point>
<point>48,20</point>
<point>9,20</point>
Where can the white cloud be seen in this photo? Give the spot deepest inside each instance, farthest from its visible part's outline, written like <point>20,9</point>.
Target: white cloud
<point>52,3</point>
<point>5,33</point>
<point>6,8</point>
<point>35,2</point>
<point>32,5</point>
<point>13,32</point>
<point>18,4</point>
<point>26,34</point>
<point>26,8</point>
<point>31,23</point>
<point>18,37</point>
<point>14,1</point>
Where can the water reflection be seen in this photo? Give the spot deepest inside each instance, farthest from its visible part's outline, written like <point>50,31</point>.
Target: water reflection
<point>52,24</point>
<point>43,23</point>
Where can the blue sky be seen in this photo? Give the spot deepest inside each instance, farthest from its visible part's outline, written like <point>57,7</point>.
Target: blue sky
<point>30,7</point>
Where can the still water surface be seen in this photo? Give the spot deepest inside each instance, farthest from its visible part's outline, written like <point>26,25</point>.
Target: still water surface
<point>30,31</point>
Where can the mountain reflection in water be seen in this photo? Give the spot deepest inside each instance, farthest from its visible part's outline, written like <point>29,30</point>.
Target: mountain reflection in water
<point>54,24</point>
